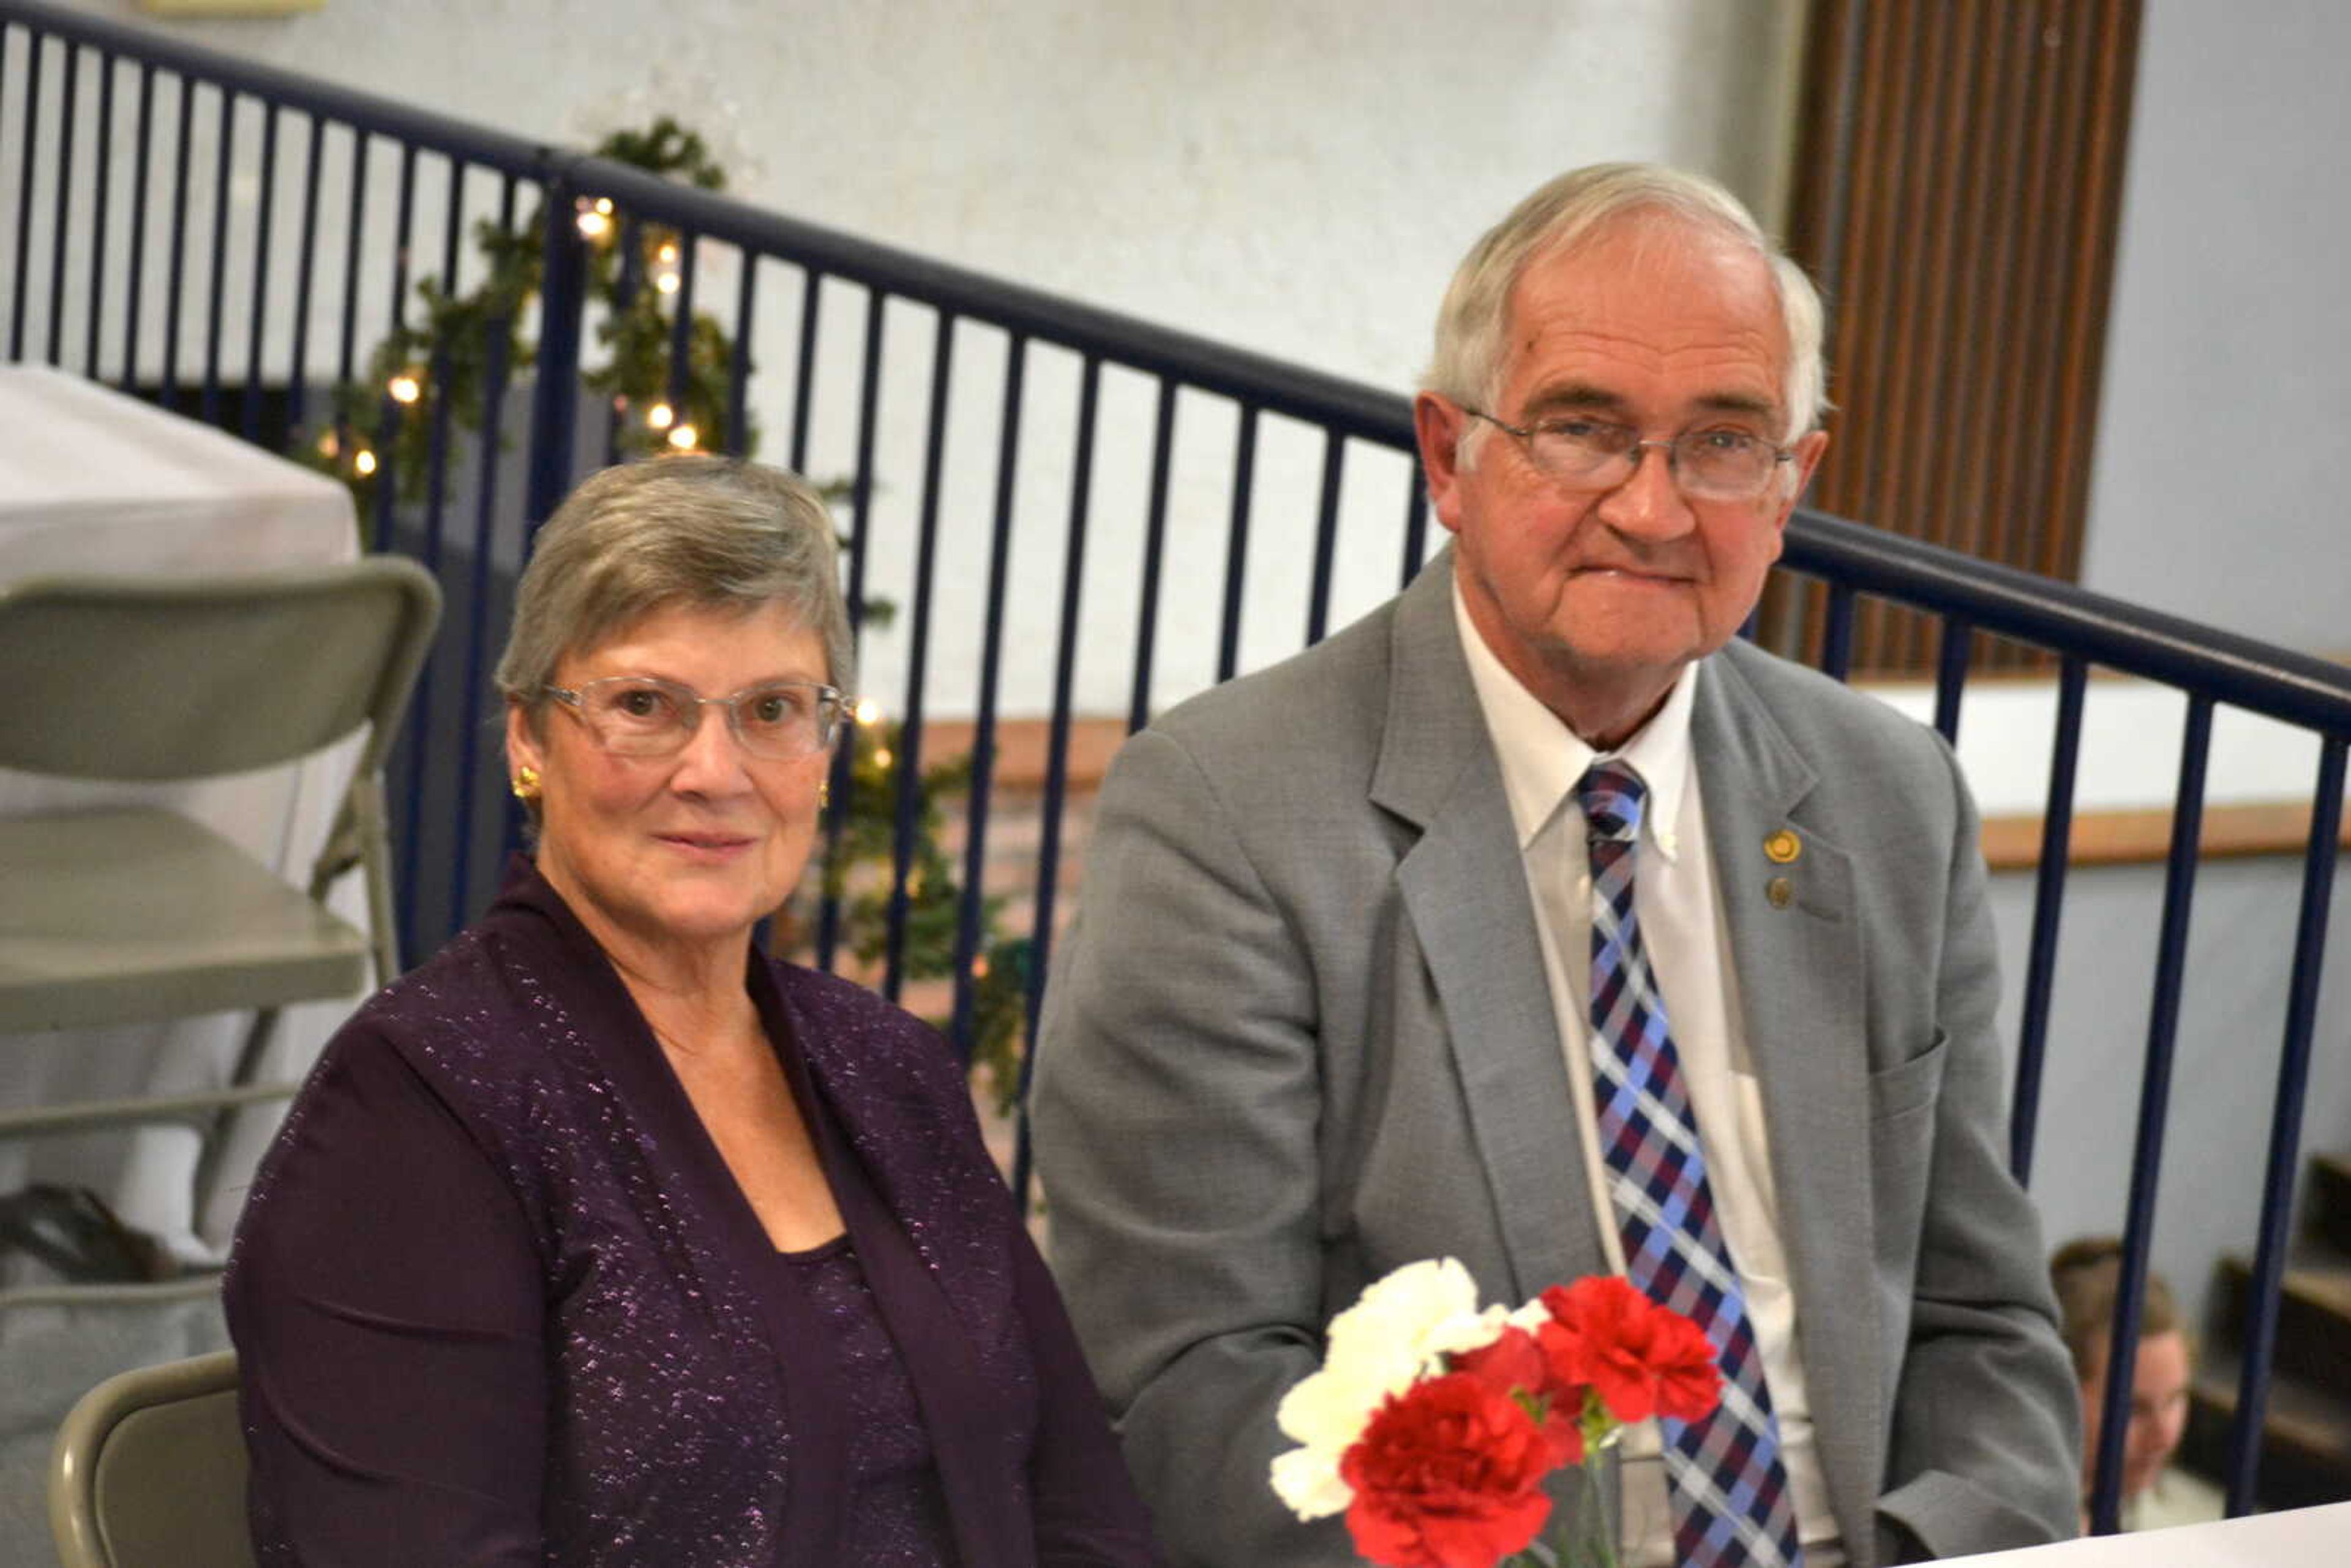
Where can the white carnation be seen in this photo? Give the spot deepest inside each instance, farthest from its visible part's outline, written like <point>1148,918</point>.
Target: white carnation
<point>1397,1332</point>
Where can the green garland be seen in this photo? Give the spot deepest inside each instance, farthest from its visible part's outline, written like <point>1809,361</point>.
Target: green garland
<point>377,435</point>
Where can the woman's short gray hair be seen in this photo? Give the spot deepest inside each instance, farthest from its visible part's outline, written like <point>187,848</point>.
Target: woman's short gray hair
<point>713,533</point>
<point>1471,323</point>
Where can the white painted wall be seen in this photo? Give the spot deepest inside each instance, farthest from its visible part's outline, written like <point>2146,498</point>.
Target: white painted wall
<point>2218,489</point>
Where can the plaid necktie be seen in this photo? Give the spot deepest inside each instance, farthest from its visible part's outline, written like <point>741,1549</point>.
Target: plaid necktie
<point>1727,1489</point>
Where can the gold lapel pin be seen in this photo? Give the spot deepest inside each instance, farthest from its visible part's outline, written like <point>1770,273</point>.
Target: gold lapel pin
<point>1783,847</point>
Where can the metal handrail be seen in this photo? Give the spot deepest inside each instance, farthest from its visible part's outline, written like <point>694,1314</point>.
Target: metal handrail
<point>2239,671</point>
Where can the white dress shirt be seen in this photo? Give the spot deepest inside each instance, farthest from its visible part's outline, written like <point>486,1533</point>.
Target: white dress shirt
<point>1688,944</point>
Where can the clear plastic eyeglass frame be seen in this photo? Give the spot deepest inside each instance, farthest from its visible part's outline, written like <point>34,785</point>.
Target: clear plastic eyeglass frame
<point>1592,453</point>
<point>645,716</point>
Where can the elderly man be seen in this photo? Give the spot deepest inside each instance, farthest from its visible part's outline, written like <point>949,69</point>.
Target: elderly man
<point>1534,921</point>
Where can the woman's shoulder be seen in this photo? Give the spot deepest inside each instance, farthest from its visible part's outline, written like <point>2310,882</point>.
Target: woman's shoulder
<point>878,1063</point>
<point>841,1009</point>
<point>476,980</point>
<point>479,1024</point>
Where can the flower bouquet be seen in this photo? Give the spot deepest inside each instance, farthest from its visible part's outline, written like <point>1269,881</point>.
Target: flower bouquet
<point>1433,1426</point>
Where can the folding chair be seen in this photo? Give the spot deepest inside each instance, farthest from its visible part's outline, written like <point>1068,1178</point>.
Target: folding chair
<point>149,1471</point>
<point>117,915</point>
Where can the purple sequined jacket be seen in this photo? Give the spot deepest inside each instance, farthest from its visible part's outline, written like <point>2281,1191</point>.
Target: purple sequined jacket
<point>497,1299</point>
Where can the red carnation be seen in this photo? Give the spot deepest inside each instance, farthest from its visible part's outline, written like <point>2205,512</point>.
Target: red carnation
<point>1642,1359</point>
<point>1447,1474</point>
<point>1509,1362</point>
<point>1514,1364</point>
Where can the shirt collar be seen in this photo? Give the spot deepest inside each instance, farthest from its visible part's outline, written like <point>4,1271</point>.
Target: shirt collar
<point>1542,760</point>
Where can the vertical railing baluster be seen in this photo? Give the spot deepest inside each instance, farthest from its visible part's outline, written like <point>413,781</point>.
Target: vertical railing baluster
<point>32,42</point>
<point>61,222</point>
<point>1154,547</point>
<point>1229,639</point>
<point>629,277</point>
<point>488,442</point>
<point>908,761</point>
<point>1836,632</point>
<point>297,372</point>
<point>452,231</point>
<point>354,232</point>
<point>255,306</point>
<point>1326,536</point>
<point>562,303</point>
<point>97,227</point>
<point>555,391</point>
<point>681,326</point>
<point>2048,908</point>
<point>2155,1097</point>
<point>804,371</point>
<point>436,484</point>
<point>739,362</point>
<point>27,167</point>
<point>216,284</point>
<point>2320,858</point>
<point>860,502</point>
<point>1416,525</point>
<point>391,415</point>
<point>1951,676</point>
<point>969,918</point>
<point>347,343</point>
<point>1057,750</point>
<point>134,276</point>
<point>178,276</point>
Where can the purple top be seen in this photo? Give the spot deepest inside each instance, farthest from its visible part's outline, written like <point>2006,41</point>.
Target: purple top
<point>499,1301</point>
<point>895,1517</point>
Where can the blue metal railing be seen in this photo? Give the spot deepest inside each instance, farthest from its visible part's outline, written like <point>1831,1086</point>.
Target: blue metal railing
<point>66,69</point>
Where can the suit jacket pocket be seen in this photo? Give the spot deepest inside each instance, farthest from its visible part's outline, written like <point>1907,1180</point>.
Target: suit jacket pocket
<point>1901,1153</point>
<point>1909,1085</point>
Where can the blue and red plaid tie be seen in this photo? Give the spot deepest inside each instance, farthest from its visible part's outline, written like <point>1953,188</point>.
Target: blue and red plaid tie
<point>1727,1488</point>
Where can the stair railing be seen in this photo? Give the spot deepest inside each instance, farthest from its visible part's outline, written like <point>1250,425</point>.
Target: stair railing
<point>69,81</point>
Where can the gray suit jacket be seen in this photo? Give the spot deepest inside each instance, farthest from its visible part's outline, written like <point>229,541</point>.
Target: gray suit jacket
<point>1300,1036</point>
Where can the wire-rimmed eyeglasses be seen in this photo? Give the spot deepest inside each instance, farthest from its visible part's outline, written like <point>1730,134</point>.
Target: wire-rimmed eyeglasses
<point>1714,465</point>
<point>645,716</point>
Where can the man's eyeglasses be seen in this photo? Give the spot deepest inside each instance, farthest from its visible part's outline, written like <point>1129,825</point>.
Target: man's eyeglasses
<point>645,716</point>
<point>1594,454</point>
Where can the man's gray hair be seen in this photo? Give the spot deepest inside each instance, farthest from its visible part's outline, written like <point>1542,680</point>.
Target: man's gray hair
<point>711,533</point>
<point>1472,322</point>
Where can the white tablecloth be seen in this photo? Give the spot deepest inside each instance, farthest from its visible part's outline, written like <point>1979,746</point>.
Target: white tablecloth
<point>2304,1538</point>
<point>91,480</point>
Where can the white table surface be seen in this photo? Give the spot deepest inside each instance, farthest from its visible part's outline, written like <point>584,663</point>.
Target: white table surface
<point>91,480</point>
<point>2301,1538</point>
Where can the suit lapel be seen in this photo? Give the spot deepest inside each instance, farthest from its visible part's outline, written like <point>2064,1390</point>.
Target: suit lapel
<point>1465,894</point>
<point>1796,948</point>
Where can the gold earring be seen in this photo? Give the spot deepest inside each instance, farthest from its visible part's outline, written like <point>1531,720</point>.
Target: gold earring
<point>525,785</point>
<point>823,793</point>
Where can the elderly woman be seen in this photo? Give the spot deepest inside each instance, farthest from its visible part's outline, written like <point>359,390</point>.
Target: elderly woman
<point>600,1238</point>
